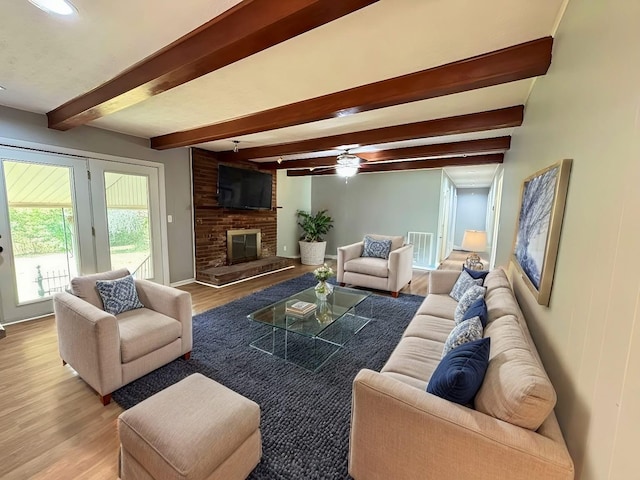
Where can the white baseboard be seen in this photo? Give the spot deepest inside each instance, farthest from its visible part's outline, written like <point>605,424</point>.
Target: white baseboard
<point>183,282</point>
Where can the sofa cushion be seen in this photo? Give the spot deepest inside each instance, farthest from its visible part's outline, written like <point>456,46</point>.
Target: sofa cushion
<point>396,240</point>
<point>470,296</point>
<point>118,295</point>
<point>438,305</point>
<point>501,302</point>
<point>375,267</point>
<point>464,282</point>
<point>429,327</point>
<point>505,333</point>
<point>465,332</point>
<point>495,279</point>
<point>516,389</point>
<point>85,287</point>
<point>143,331</point>
<point>414,357</point>
<point>376,248</point>
<point>477,309</point>
<point>459,374</point>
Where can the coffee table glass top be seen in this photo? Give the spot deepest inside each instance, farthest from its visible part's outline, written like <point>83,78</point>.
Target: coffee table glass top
<point>309,341</point>
<point>342,301</point>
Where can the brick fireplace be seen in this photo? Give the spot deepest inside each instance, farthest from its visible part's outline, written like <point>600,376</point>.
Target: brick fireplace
<point>211,221</point>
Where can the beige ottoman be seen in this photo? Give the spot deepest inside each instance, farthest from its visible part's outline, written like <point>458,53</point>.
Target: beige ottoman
<point>196,429</point>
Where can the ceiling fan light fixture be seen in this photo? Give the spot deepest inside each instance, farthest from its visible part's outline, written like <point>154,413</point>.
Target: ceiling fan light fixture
<point>58,7</point>
<point>348,165</point>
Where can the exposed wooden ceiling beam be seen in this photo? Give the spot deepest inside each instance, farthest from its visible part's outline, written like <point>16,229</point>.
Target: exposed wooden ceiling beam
<point>422,151</point>
<point>517,62</point>
<point>410,165</point>
<point>247,28</point>
<point>473,122</point>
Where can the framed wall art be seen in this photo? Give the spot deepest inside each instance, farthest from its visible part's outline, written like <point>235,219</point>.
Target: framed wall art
<point>537,236</point>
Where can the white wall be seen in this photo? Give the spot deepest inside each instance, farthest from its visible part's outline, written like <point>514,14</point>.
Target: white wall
<point>588,108</point>
<point>391,203</point>
<point>293,194</point>
<point>471,213</point>
<point>17,126</point>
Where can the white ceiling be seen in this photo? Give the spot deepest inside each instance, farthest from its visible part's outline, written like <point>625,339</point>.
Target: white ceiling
<point>49,60</point>
<point>478,176</point>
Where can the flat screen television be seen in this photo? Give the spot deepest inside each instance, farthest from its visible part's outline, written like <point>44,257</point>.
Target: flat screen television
<point>243,189</point>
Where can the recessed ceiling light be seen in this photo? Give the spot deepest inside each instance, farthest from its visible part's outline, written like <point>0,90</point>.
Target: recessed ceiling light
<point>59,7</point>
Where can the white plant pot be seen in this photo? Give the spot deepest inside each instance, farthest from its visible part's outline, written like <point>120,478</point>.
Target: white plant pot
<point>312,253</point>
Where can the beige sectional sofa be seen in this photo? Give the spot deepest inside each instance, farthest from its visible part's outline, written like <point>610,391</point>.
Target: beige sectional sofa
<point>399,431</point>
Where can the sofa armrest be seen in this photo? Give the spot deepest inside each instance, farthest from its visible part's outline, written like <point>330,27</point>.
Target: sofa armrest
<point>171,302</point>
<point>401,432</point>
<point>442,281</point>
<point>346,253</point>
<point>89,341</point>
<point>400,267</point>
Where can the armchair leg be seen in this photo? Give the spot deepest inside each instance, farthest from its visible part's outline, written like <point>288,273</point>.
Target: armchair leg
<point>187,356</point>
<point>395,294</point>
<point>342,284</point>
<point>105,399</point>
<point>63,362</point>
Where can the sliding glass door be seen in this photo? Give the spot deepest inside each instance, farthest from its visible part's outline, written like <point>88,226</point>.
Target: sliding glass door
<point>41,223</point>
<point>63,216</point>
<point>126,209</point>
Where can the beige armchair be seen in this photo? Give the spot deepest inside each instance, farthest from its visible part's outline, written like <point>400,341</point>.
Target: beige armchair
<point>390,274</point>
<point>110,351</point>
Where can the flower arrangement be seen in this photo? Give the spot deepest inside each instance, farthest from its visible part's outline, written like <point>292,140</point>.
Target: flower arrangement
<point>323,273</point>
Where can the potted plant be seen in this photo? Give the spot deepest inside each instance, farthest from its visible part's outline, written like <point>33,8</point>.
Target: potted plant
<point>314,227</point>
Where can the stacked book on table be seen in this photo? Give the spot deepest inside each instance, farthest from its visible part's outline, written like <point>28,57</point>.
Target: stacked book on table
<point>298,308</point>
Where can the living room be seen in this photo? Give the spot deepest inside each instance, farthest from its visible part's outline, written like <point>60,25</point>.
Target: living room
<point>584,108</point>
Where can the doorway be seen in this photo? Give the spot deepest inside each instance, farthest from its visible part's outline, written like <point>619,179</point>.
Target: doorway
<point>64,216</point>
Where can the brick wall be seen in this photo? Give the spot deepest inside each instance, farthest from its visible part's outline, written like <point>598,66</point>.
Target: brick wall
<point>212,221</point>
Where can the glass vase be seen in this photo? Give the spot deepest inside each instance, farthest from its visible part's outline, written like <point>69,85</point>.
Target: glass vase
<point>323,312</point>
<point>323,290</point>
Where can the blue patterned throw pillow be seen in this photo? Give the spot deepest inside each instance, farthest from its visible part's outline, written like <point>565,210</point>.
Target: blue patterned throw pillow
<point>464,282</point>
<point>477,309</point>
<point>119,295</point>
<point>464,332</point>
<point>376,248</point>
<point>470,296</point>
<point>460,374</point>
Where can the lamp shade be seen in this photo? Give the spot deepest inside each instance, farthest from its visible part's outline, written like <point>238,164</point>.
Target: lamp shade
<point>474,240</point>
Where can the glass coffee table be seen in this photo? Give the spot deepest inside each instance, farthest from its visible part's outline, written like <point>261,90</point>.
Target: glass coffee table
<point>311,340</point>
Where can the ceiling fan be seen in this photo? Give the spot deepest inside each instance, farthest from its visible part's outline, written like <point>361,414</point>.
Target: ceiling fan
<point>348,164</point>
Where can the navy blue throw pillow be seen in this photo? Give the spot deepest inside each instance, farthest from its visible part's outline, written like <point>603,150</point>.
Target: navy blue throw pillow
<point>476,274</point>
<point>477,309</point>
<point>459,375</point>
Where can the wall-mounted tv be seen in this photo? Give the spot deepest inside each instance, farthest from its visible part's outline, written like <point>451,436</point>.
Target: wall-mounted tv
<point>243,189</point>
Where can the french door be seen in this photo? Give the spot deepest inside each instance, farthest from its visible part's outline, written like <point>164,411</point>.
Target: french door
<point>63,216</point>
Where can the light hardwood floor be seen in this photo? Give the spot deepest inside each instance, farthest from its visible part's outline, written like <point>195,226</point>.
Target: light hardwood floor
<point>52,425</point>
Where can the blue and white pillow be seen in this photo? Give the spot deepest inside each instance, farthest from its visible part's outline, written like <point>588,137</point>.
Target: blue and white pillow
<point>460,374</point>
<point>119,295</point>
<point>376,248</point>
<point>469,297</point>
<point>464,332</point>
<point>464,282</point>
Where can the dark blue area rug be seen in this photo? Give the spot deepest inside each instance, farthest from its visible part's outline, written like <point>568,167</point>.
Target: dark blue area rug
<point>304,416</point>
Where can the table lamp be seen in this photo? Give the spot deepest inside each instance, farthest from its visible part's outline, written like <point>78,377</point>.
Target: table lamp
<point>474,241</point>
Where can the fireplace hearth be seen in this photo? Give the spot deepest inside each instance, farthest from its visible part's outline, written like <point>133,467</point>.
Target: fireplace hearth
<point>243,245</point>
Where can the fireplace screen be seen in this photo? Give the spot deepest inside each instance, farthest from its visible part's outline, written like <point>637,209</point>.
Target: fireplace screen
<point>242,245</point>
